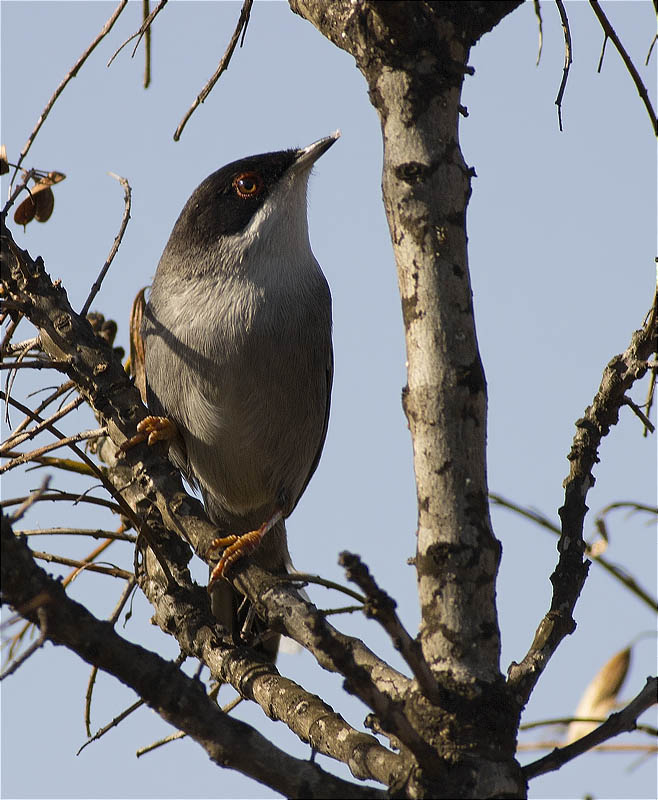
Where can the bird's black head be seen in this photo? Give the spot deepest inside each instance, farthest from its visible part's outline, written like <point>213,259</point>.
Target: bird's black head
<point>225,202</point>
<point>223,206</point>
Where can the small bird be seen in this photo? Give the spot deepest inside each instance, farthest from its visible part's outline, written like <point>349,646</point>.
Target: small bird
<point>238,357</point>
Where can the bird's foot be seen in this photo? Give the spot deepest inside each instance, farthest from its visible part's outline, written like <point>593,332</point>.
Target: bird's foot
<point>151,430</point>
<point>238,546</point>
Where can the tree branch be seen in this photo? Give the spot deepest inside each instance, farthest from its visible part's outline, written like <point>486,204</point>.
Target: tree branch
<point>178,699</point>
<point>571,570</point>
<point>152,488</point>
<point>637,80</point>
<point>621,722</point>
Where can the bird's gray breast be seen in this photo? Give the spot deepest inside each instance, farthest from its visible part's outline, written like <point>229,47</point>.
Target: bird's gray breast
<point>244,370</point>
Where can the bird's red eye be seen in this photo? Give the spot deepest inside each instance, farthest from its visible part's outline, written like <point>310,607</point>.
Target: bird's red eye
<point>248,184</point>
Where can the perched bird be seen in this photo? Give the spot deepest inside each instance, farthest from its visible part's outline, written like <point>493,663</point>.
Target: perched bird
<point>238,356</point>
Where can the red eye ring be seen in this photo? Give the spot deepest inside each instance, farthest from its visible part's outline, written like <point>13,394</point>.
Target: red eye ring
<point>248,184</point>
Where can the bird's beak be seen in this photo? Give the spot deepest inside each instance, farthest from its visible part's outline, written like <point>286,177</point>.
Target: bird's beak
<point>307,156</point>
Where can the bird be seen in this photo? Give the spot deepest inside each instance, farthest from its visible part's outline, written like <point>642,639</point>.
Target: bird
<point>238,360</point>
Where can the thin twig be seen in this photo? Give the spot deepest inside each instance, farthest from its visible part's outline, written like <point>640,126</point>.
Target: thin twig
<point>119,718</point>
<point>39,363</point>
<point>11,328</point>
<point>173,737</point>
<point>66,496</point>
<point>114,616</point>
<point>65,441</point>
<point>9,349</point>
<point>115,246</point>
<point>125,509</point>
<point>542,723</point>
<point>648,425</point>
<point>113,572</point>
<point>38,643</point>
<point>241,27</point>
<point>648,403</point>
<point>572,568</point>
<point>15,439</point>
<point>63,389</point>
<point>651,46</point>
<point>621,722</point>
<point>71,74</point>
<point>541,30</point>
<point>568,58</point>
<point>611,568</point>
<point>636,747</point>
<point>94,533</point>
<point>147,45</point>
<point>142,29</point>
<point>380,606</point>
<point>181,734</point>
<point>34,496</point>
<point>600,64</point>
<point>637,80</point>
<point>307,577</point>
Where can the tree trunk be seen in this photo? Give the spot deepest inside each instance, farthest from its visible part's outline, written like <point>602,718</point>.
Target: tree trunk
<point>414,57</point>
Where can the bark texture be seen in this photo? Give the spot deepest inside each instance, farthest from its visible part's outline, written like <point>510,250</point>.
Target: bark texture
<point>414,57</point>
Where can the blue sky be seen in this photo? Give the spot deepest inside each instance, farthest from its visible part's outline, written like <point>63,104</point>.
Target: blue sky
<point>562,231</point>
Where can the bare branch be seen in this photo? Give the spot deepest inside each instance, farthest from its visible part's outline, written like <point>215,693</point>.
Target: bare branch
<point>651,46</point>
<point>177,698</point>
<point>147,45</point>
<point>380,606</point>
<point>65,496</point>
<point>111,724</point>
<point>70,75</point>
<point>147,479</point>
<point>144,29</point>
<point>29,651</point>
<point>568,58</point>
<point>15,439</point>
<point>621,722</point>
<point>94,533</point>
<point>637,80</point>
<point>63,442</point>
<point>540,29</point>
<point>241,27</point>
<point>617,572</point>
<point>541,723</point>
<point>34,496</point>
<point>648,425</point>
<point>113,572</point>
<point>571,571</point>
<point>115,246</point>
<point>114,616</point>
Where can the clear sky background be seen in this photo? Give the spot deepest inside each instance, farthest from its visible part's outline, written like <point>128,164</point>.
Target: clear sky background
<point>562,230</point>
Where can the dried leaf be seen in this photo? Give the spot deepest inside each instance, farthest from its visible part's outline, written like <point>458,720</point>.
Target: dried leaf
<point>4,161</point>
<point>601,694</point>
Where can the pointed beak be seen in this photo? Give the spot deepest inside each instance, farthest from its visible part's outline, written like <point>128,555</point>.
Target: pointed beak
<point>307,156</point>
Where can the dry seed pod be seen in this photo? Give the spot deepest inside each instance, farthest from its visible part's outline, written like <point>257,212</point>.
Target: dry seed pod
<point>45,201</point>
<point>600,696</point>
<point>40,202</point>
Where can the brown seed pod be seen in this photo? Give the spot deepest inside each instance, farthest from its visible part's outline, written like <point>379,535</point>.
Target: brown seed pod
<point>40,202</point>
<point>45,201</point>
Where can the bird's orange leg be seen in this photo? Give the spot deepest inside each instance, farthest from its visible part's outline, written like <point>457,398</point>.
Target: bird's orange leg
<point>239,546</point>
